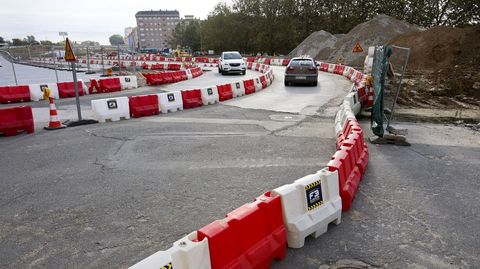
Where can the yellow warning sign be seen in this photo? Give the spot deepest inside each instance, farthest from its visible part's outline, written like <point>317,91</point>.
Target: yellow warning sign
<point>69,55</point>
<point>357,48</point>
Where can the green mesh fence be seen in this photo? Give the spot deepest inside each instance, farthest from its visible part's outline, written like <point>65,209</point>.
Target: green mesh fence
<point>379,71</point>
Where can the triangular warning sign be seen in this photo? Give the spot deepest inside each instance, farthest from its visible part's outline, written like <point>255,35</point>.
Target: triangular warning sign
<point>69,55</point>
<point>357,48</point>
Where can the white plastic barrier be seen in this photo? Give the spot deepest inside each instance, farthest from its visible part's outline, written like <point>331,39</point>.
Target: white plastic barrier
<point>209,96</point>
<point>331,67</point>
<point>258,84</point>
<point>371,51</point>
<point>338,120</point>
<point>170,101</point>
<point>238,89</point>
<point>309,205</point>
<point>36,91</point>
<point>346,71</point>
<point>189,73</point>
<point>353,102</point>
<point>113,109</point>
<point>184,254</point>
<point>128,82</point>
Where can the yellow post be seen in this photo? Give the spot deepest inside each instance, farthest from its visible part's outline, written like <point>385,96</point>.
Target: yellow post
<point>46,92</point>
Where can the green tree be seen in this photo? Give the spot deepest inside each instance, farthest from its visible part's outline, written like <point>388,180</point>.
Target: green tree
<point>18,42</point>
<point>2,40</point>
<point>116,40</point>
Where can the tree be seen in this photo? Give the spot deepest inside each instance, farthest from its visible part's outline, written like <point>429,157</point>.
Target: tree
<point>116,40</point>
<point>2,40</point>
<point>18,42</point>
<point>88,43</point>
<point>30,39</point>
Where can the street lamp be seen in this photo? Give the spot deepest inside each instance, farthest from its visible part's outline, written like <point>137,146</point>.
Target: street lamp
<point>28,48</point>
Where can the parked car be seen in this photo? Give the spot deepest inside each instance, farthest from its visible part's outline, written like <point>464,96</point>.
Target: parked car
<point>301,70</point>
<point>231,62</point>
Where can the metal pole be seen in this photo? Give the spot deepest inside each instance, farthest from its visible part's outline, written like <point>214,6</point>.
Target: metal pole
<point>399,83</point>
<point>54,64</point>
<point>119,64</point>
<point>88,61</point>
<point>103,65</point>
<point>14,73</point>
<point>133,63</point>
<point>77,99</point>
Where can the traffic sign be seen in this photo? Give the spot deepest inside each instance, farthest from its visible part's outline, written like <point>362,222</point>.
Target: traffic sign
<point>357,48</point>
<point>69,55</point>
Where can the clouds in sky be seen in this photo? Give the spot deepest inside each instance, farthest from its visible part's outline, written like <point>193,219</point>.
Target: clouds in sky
<point>85,19</point>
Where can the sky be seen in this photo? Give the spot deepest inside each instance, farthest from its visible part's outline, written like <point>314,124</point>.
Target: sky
<point>84,20</point>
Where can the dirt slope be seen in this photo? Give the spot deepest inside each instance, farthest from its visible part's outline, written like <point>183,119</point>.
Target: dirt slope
<point>377,31</point>
<point>315,43</point>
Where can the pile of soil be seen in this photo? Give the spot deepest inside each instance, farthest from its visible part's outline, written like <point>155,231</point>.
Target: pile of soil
<point>442,71</point>
<point>315,43</point>
<point>377,31</point>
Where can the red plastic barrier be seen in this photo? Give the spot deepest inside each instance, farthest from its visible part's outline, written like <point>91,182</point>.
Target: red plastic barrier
<point>84,61</point>
<point>285,62</point>
<point>350,73</point>
<point>177,76</point>
<point>324,67</point>
<point>15,119</point>
<point>14,94</point>
<point>67,89</point>
<point>267,61</point>
<point>178,59</point>
<point>183,75</point>
<point>338,69</point>
<point>143,105</point>
<point>348,174</point>
<point>224,92</point>
<point>249,86</point>
<point>257,67</point>
<point>359,148</point>
<point>168,77</point>
<point>144,65</point>
<point>174,66</point>
<point>263,81</point>
<point>358,77</point>
<point>250,59</point>
<point>110,85</point>
<point>191,98</point>
<point>249,237</point>
<point>350,126</point>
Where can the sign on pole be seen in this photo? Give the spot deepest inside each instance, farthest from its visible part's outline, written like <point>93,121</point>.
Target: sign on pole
<point>69,55</point>
<point>357,48</point>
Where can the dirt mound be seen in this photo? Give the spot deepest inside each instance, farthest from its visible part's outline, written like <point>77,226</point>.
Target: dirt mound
<point>442,71</point>
<point>442,47</point>
<point>314,44</point>
<point>377,31</point>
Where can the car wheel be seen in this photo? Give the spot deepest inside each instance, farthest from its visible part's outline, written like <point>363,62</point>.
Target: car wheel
<point>286,83</point>
<point>244,72</point>
<point>224,73</point>
<point>219,71</point>
<point>314,83</point>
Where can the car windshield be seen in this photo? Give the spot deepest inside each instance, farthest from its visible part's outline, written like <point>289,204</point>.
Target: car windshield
<point>301,62</point>
<point>232,55</point>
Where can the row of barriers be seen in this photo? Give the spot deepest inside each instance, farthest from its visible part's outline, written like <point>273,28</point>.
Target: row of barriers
<point>171,77</point>
<point>118,108</point>
<point>35,92</point>
<point>255,234</point>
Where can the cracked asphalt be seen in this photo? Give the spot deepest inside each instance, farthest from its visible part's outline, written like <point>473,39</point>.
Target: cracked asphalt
<point>109,195</point>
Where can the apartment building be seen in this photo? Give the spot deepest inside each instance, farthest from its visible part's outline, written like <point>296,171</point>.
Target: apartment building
<point>155,28</point>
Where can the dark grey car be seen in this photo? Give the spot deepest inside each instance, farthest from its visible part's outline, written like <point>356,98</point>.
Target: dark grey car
<point>301,70</point>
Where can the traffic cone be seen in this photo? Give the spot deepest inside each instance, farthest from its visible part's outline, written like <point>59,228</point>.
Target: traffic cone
<point>54,123</point>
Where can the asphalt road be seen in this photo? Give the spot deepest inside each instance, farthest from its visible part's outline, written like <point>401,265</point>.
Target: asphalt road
<point>109,195</point>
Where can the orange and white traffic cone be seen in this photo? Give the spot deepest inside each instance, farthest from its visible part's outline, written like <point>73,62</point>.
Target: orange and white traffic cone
<point>54,123</point>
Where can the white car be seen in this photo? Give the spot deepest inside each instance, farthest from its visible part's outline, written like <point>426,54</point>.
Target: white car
<point>232,62</point>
